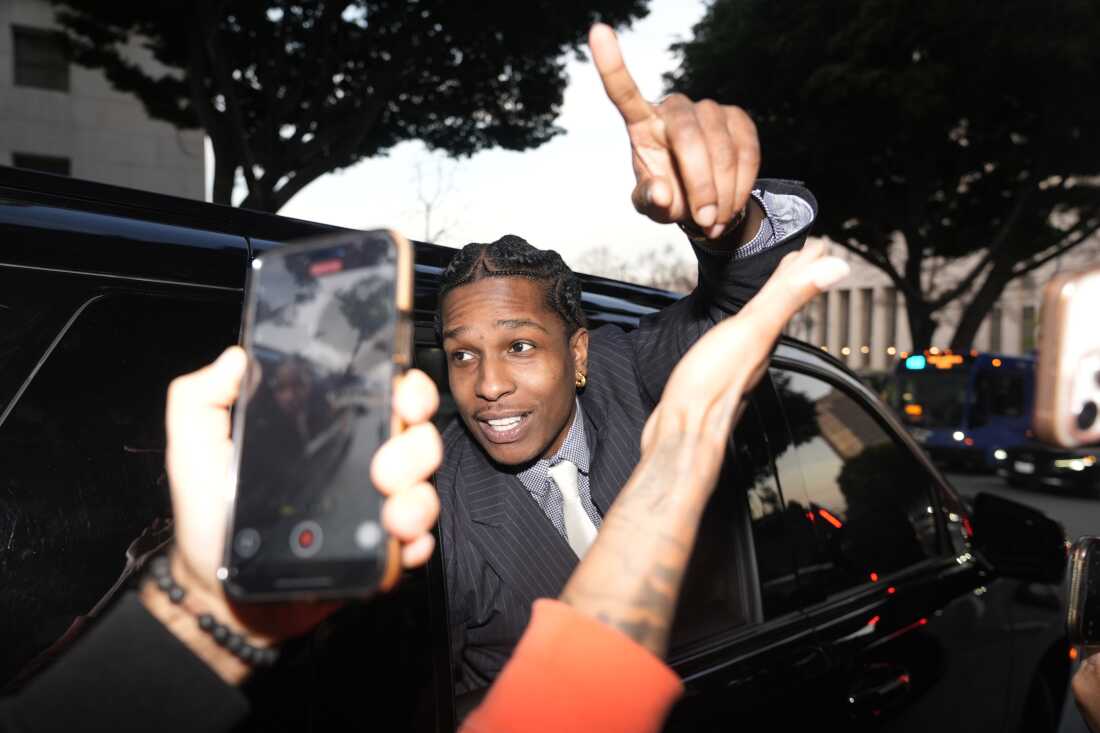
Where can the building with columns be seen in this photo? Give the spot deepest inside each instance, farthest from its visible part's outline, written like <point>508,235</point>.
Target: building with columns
<point>862,321</point>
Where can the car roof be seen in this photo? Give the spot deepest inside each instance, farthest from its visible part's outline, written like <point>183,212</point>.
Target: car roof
<point>208,228</point>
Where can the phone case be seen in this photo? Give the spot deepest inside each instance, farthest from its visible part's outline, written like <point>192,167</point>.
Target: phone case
<point>403,356</point>
<point>402,360</point>
<point>1068,378</point>
<point>1079,621</point>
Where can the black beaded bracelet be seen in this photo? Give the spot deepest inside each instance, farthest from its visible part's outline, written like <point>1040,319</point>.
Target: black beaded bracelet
<point>161,569</point>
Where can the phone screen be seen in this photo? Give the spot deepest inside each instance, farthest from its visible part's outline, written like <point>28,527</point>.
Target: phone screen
<point>320,332</point>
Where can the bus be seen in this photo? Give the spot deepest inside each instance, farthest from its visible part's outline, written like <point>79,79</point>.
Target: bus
<point>967,410</point>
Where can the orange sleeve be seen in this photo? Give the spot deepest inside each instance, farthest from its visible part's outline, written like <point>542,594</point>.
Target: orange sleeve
<point>571,672</point>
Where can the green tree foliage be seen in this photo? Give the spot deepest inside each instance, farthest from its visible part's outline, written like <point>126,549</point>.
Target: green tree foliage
<point>930,131</point>
<point>289,90</point>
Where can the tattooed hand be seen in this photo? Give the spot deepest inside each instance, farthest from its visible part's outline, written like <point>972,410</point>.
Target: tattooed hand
<point>631,576</point>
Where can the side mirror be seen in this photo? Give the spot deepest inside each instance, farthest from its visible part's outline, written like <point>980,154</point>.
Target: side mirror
<point>1018,541</point>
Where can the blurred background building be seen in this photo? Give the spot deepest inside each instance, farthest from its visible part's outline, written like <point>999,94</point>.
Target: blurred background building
<point>863,322</point>
<point>60,118</point>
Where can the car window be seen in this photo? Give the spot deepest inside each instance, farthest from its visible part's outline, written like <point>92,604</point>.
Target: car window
<point>714,597</point>
<point>777,522</point>
<point>998,394</point>
<point>83,451</point>
<point>868,496</point>
<point>33,310</point>
<point>431,360</point>
<point>23,310</point>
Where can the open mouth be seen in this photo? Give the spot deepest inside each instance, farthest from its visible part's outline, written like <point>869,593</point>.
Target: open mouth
<point>504,429</point>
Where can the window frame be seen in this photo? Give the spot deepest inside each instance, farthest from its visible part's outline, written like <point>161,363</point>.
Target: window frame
<point>51,164</point>
<point>21,34</point>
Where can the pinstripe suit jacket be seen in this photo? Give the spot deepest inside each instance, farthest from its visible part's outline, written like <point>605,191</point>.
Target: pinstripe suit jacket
<point>499,549</point>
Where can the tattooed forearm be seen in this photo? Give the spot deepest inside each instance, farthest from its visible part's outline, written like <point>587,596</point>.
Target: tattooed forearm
<point>632,574</point>
<point>630,578</point>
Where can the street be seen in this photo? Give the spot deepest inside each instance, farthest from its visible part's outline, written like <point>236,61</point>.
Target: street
<point>1080,515</point>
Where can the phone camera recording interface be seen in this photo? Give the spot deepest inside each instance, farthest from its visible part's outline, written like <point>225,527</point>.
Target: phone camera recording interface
<point>321,336</point>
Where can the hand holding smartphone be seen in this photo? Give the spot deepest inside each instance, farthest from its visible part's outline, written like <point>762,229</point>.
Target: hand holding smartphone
<point>326,328</point>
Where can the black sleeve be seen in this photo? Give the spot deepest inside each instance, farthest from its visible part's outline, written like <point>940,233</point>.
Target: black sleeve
<point>129,673</point>
<point>726,282</point>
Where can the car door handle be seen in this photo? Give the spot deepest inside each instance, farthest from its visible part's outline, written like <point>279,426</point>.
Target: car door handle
<point>881,686</point>
<point>811,664</point>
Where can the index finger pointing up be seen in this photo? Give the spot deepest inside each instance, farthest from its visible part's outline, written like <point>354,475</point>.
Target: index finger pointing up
<point>617,82</point>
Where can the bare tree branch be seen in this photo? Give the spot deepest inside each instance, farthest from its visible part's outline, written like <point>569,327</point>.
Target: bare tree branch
<point>965,283</point>
<point>1082,235</point>
<point>429,202</point>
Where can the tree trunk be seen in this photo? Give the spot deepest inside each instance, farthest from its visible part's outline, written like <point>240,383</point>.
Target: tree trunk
<point>980,305</point>
<point>225,173</point>
<point>922,326</point>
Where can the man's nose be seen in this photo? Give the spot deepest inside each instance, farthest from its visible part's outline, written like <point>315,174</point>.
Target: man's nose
<point>494,380</point>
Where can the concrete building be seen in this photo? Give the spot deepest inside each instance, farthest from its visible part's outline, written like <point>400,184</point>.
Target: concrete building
<point>61,118</point>
<point>863,320</point>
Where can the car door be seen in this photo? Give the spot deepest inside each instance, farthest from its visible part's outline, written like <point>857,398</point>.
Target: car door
<point>914,638</point>
<point>740,640</point>
<point>82,436</point>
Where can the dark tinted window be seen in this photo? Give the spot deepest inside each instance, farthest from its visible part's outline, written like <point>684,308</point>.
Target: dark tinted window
<point>998,394</point>
<point>776,522</point>
<point>41,59</point>
<point>933,398</point>
<point>42,163</point>
<point>714,597</point>
<point>431,360</point>
<point>868,496</point>
<point>83,452</point>
<point>32,311</point>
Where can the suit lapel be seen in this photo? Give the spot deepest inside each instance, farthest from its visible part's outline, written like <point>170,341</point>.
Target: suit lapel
<point>613,454</point>
<point>516,538</point>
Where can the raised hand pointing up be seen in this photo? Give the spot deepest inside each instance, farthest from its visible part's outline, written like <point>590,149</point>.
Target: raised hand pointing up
<point>694,162</point>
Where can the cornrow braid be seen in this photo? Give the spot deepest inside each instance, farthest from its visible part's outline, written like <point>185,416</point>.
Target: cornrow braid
<point>512,256</point>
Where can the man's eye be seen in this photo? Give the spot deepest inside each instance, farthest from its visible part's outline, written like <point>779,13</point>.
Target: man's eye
<point>461,356</point>
<point>521,346</point>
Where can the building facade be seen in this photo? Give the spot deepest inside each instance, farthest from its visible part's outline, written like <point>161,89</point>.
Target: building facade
<point>863,322</point>
<point>60,118</point>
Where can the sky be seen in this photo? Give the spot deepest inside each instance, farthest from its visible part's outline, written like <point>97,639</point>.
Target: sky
<point>572,194</point>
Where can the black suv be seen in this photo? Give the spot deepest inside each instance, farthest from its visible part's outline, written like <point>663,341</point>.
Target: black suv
<point>838,578</point>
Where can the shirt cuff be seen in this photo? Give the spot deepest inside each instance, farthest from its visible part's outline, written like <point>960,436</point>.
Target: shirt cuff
<point>572,672</point>
<point>765,235</point>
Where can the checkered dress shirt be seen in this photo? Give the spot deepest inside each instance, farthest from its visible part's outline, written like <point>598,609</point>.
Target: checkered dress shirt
<point>545,492</point>
<point>782,215</point>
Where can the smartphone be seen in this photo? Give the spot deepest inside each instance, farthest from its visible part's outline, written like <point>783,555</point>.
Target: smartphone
<point>1067,394</point>
<point>327,328</point>
<point>1083,612</point>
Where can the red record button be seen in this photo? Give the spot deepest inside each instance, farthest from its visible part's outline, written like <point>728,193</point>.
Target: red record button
<point>306,539</point>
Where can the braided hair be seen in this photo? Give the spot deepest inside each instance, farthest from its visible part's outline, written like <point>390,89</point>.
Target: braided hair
<point>512,256</point>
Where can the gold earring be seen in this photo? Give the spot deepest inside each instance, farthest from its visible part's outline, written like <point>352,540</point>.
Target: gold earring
<point>581,380</point>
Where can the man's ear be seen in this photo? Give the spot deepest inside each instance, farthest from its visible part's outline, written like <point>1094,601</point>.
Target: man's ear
<point>578,345</point>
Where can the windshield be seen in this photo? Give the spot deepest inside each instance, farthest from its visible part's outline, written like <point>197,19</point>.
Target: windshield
<point>935,399</point>
<point>998,395</point>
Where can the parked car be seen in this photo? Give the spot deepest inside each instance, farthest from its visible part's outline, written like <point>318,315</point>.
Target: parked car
<point>1039,466</point>
<point>838,578</point>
